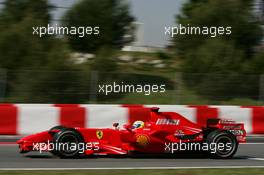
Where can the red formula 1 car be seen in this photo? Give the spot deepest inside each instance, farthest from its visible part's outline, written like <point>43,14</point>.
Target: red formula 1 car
<point>165,132</point>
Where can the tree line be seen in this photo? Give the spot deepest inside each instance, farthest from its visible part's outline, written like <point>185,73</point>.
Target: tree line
<point>62,81</point>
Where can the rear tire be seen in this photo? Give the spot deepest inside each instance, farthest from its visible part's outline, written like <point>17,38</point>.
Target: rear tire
<point>67,136</point>
<point>218,137</point>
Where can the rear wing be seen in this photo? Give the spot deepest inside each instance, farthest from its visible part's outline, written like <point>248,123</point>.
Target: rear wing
<point>235,128</point>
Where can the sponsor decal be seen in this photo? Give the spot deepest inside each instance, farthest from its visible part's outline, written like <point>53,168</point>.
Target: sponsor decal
<point>232,127</point>
<point>237,132</point>
<point>142,140</point>
<point>164,121</point>
<point>179,133</point>
<point>99,134</point>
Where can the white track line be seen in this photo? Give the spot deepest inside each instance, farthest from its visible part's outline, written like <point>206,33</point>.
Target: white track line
<point>255,158</point>
<point>127,168</point>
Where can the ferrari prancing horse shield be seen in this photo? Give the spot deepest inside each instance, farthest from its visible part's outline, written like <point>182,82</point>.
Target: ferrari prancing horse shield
<point>99,134</point>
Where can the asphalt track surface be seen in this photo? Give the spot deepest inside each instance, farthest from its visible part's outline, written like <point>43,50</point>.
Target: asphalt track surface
<point>251,154</point>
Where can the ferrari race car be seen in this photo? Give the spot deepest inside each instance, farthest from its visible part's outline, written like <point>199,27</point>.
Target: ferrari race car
<point>164,133</point>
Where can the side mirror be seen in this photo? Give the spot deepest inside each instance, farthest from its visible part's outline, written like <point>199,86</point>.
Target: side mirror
<point>127,127</point>
<point>115,125</point>
<point>154,109</point>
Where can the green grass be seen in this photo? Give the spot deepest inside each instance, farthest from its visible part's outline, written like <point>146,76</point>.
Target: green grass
<point>255,171</point>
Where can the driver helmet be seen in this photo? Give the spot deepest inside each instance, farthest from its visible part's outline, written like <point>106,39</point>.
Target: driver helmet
<point>138,124</point>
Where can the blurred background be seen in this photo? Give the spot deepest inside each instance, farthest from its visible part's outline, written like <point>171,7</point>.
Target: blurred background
<point>132,48</point>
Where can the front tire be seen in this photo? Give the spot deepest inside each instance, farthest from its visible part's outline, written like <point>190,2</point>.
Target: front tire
<point>59,127</point>
<point>64,140</point>
<point>220,138</point>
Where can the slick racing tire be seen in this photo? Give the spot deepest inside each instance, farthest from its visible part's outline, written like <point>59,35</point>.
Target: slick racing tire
<point>224,144</point>
<point>59,127</point>
<point>66,143</point>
